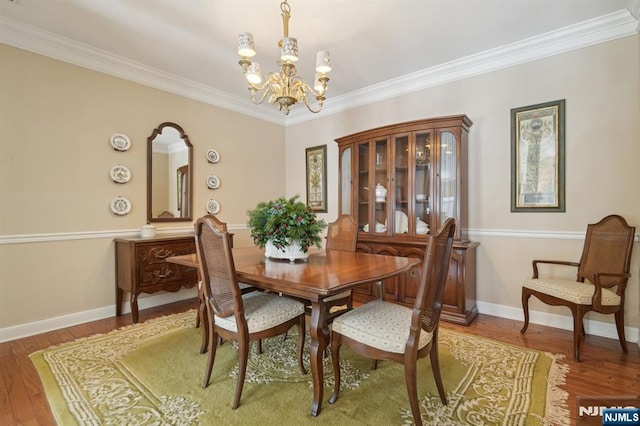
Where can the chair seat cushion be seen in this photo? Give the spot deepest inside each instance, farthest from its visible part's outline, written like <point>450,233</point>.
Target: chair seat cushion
<point>379,324</point>
<point>262,311</point>
<point>572,291</point>
<point>343,295</point>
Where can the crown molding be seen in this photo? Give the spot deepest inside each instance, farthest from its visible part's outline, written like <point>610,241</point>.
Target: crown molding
<point>597,30</point>
<point>587,33</point>
<point>33,39</point>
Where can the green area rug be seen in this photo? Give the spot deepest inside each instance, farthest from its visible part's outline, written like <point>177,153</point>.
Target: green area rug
<point>150,374</point>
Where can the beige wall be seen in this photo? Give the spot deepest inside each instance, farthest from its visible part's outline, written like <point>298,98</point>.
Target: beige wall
<point>56,119</point>
<point>55,123</point>
<point>600,84</point>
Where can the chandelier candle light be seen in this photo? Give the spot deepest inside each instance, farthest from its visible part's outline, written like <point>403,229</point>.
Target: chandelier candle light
<point>283,89</point>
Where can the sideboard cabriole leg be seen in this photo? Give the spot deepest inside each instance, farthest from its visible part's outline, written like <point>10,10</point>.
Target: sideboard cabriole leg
<point>134,307</point>
<point>118,301</point>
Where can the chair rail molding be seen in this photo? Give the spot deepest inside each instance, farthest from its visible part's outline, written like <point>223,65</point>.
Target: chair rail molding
<point>524,233</point>
<point>86,235</point>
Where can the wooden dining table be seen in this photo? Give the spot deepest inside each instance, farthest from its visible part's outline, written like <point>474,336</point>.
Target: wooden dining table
<point>324,273</point>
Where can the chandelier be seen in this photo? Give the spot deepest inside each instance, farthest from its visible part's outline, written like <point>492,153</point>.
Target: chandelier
<point>283,88</point>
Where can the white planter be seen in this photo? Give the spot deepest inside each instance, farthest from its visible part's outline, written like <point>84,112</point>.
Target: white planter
<point>292,252</point>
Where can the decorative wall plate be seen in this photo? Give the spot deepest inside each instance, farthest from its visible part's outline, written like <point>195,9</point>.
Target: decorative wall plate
<point>213,207</point>
<point>120,142</point>
<point>120,206</point>
<point>120,174</point>
<point>213,182</point>
<point>213,156</point>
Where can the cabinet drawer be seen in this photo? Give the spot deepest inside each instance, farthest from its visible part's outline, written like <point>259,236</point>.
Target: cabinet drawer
<point>162,273</point>
<point>154,270</point>
<point>150,254</point>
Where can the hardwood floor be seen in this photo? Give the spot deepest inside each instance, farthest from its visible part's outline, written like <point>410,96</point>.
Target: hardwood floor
<point>605,370</point>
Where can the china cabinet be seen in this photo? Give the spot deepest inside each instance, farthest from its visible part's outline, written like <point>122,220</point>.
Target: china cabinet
<point>400,183</point>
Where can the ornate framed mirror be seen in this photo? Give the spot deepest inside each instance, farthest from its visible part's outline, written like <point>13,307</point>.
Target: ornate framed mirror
<point>169,175</point>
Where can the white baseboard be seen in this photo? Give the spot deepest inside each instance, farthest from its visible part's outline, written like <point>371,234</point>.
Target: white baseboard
<point>56,323</point>
<point>596,328</point>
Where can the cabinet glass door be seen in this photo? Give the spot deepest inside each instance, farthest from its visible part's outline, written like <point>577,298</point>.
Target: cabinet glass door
<point>381,191</point>
<point>363,186</point>
<point>448,176</point>
<point>422,179</point>
<point>401,188</point>
<point>345,181</point>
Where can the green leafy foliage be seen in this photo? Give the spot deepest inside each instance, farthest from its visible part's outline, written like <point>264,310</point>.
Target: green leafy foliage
<point>282,220</point>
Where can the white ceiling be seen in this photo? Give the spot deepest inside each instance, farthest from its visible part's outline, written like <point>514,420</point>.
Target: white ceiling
<point>379,48</point>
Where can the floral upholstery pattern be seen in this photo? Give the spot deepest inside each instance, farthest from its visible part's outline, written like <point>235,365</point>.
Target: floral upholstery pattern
<point>573,291</point>
<point>380,324</point>
<point>262,311</point>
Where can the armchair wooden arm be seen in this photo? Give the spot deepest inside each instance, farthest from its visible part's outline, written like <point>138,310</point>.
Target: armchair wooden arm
<point>551,262</point>
<point>597,281</point>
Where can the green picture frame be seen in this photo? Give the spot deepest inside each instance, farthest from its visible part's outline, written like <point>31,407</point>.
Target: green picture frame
<point>538,158</point>
<point>316,183</point>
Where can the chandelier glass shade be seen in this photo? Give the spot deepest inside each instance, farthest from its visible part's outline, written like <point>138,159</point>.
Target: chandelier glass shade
<point>284,88</point>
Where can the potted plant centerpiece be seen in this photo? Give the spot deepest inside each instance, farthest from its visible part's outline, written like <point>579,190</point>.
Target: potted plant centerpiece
<point>285,228</point>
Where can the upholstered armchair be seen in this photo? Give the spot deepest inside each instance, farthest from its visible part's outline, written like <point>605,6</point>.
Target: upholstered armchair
<point>603,271</point>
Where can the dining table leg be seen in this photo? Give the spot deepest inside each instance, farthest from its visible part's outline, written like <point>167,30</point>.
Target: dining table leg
<point>319,341</point>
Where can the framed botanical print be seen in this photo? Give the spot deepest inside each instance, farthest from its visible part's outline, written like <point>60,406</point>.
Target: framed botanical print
<point>537,158</point>
<point>316,159</point>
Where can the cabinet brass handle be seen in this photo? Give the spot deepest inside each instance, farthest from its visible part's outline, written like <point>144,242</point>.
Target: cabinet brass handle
<point>160,275</point>
<point>163,253</point>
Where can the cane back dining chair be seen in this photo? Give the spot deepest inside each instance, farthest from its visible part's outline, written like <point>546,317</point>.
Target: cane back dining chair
<point>600,285</point>
<point>341,235</point>
<point>201,316</point>
<point>386,331</point>
<point>235,316</point>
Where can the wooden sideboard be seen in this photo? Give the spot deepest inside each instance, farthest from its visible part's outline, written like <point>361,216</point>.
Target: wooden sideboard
<point>141,267</point>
